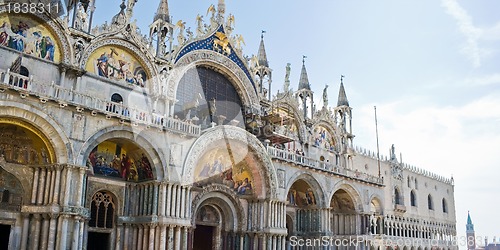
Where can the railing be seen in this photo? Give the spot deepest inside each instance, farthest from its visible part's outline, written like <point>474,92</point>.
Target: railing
<point>305,161</point>
<point>64,96</point>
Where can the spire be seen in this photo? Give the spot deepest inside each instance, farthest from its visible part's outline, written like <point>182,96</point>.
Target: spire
<point>261,55</point>
<point>304,80</point>
<point>342,101</point>
<point>469,226</point>
<point>162,12</point>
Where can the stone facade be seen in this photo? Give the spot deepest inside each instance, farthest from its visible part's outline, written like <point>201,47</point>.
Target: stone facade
<point>115,140</point>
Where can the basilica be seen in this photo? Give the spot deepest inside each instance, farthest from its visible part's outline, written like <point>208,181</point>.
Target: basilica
<point>174,139</point>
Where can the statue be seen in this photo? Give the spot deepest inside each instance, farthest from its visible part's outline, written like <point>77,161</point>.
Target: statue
<point>81,18</point>
<point>393,153</point>
<point>181,25</point>
<point>325,96</point>
<point>213,20</point>
<point>230,23</point>
<point>199,29</point>
<point>286,86</point>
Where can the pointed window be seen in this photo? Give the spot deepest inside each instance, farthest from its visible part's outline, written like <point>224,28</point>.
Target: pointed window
<point>102,210</point>
<point>413,198</point>
<point>397,197</point>
<point>430,204</point>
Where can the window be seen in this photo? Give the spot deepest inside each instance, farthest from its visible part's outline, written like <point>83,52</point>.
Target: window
<point>102,210</point>
<point>445,206</point>
<point>408,181</point>
<point>430,204</point>
<point>416,183</point>
<point>5,196</point>
<point>413,198</point>
<point>208,95</point>
<point>397,197</point>
<point>116,98</point>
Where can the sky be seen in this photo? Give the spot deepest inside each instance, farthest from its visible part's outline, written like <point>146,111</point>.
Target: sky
<point>432,68</point>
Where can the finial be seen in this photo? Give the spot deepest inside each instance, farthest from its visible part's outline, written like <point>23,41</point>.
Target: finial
<point>123,6</point>
<point>342,79</point>
<point>262,34</point>
<point>304,60</point>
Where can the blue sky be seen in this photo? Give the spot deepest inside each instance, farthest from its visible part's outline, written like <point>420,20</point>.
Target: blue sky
<point>431,67</point>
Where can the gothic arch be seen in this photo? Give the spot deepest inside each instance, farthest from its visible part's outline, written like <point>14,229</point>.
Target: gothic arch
<point>312,182</point>
<point>330,128</point>
<point>56,139</point>
<point>226,200</point>
<point>141,140</point>
<point>267,172</point>
<point>296,114</point>
<point>220,63</point>
<point>116,202</point>
<point>353,193</point>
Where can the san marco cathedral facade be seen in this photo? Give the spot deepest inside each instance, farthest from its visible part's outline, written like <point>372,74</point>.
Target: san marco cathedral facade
<point>113,139</point>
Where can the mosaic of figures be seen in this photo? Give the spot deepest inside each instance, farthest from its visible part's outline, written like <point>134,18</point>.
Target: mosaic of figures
<point>28,36</point>
<point>119,160</point>
<point>323,138</point>
<point>342,202</point>
<point>230,165</point>
<point>301,195</point>
<point>21,146</point>
<point>117,64</point>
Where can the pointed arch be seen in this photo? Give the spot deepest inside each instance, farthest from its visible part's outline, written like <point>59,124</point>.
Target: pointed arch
<point>298,117</point>
<point>413,198</point>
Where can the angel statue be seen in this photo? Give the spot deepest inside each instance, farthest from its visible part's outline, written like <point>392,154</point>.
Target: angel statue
<point>199,23</point>
<point>230,23</point>
<point>181,25</point>
<point>239,41</point>
<point>213,20</point>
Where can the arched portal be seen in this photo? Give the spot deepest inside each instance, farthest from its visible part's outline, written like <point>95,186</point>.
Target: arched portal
<point>217,217</point>
<point>344,216</point>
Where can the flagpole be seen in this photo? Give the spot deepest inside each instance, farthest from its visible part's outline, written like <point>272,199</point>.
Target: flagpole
<point>376,132</point>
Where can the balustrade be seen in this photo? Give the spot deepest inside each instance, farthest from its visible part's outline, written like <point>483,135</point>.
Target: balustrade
<point>305,161</point>
<point>27,85</point>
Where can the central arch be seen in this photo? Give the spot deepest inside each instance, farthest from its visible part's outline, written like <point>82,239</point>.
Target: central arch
<point>216,214</point>
<point>222,64</point>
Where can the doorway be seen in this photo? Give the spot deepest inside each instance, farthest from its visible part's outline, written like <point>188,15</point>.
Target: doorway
<point>4,236</point>
<point>98,241</point>
<point>203,237</point>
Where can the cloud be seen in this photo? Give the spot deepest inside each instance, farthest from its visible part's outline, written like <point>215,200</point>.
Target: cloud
<point>493,79</point>
<point>472,33</point>
<point>458,140</point>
